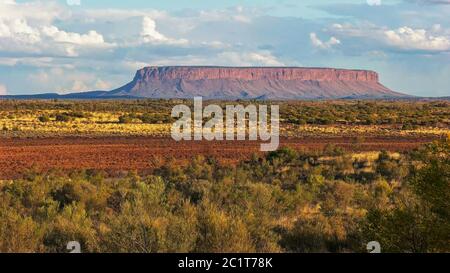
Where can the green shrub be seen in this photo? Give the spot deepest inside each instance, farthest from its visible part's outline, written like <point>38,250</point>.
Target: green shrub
<point>63,118</point>
<point>292,201</point>
<point>44,118</point>
<point>126,119</point>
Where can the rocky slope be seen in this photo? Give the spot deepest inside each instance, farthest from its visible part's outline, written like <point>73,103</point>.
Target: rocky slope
<point>254,83</point>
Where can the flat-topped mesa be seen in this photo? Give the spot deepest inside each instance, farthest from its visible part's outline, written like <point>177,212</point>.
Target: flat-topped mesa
<point>283,83</point>
<point>254,73</point>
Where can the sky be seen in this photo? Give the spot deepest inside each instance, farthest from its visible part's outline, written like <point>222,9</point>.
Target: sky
<point>83,45</point>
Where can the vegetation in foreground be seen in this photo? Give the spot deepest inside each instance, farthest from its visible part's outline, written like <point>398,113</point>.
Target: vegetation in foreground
<point>152,118</point>
<point>286,201</point>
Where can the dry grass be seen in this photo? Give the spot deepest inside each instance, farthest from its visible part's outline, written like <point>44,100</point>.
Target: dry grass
<point>26,124</point>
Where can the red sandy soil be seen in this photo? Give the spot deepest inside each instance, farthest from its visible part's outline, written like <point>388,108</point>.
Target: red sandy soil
<point>115,154</point>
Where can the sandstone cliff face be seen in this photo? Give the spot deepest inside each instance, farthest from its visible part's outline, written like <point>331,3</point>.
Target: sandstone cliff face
<point>255,82</point>
<point>253,74</point>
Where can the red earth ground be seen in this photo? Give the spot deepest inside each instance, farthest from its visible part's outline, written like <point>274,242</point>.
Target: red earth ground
<point>115,154</point>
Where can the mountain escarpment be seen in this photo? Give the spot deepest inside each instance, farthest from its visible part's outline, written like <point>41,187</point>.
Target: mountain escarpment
<point>254,83</point>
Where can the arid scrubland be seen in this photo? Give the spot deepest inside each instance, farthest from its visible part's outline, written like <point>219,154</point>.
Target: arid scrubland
<point>104,174</point>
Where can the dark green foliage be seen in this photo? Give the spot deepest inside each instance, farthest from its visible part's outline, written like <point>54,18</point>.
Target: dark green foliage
<point>406,115</point>
<point>77,114</point>
<point>418,218</point>
<point>155,118</point>
<point>126,119</point>
<point>285,201</point>
<point>44,118</point>
<point>63,118</point>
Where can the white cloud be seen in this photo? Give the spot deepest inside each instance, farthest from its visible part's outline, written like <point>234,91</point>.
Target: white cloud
<point>16,34</point>
<point>149,34</point>
<point>226,58</point>
<point>91,38</point>
<point>436,39</point>
<point>103,85</point>
<point>38,12</point>
<point>416,39</point>
<point>35,62</point>
<point>67,80</point>
<point>259,58</point>
<point>78,86</point>
<point>27,28</point>
<point>323,45</point>
<point>3,89</point>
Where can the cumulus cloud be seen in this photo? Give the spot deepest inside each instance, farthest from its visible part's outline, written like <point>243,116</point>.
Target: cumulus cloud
<point>433,40</point>
<point>225,58</point>
<point>28,28</point>
<point>39,12</point>
<point>149,34</point>
<point>416,39</point>
<point>67,80</point>
<point>91,38</point>
<point>316,42</point>
<point>141,36</point>
<point>17,36</point>
<point>3,90</point>
<point>261,58</point>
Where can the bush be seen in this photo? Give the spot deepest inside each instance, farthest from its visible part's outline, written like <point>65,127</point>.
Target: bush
<point>288,200</point>
<point>149,119</point>
<point>72,224</point>
<point>125,119</point>
<point>63,118</point>
<point>18,233</point>
<point>155,118</point>
<point>44,118</point>
<point>421,209</point>
<point>77,114</point>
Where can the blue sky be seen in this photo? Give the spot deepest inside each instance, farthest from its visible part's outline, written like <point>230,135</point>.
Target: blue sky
<point>82,45</point>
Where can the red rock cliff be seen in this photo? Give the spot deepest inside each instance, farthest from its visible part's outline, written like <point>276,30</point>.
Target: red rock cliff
<point>258,73</point>
<point>254,82</point>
